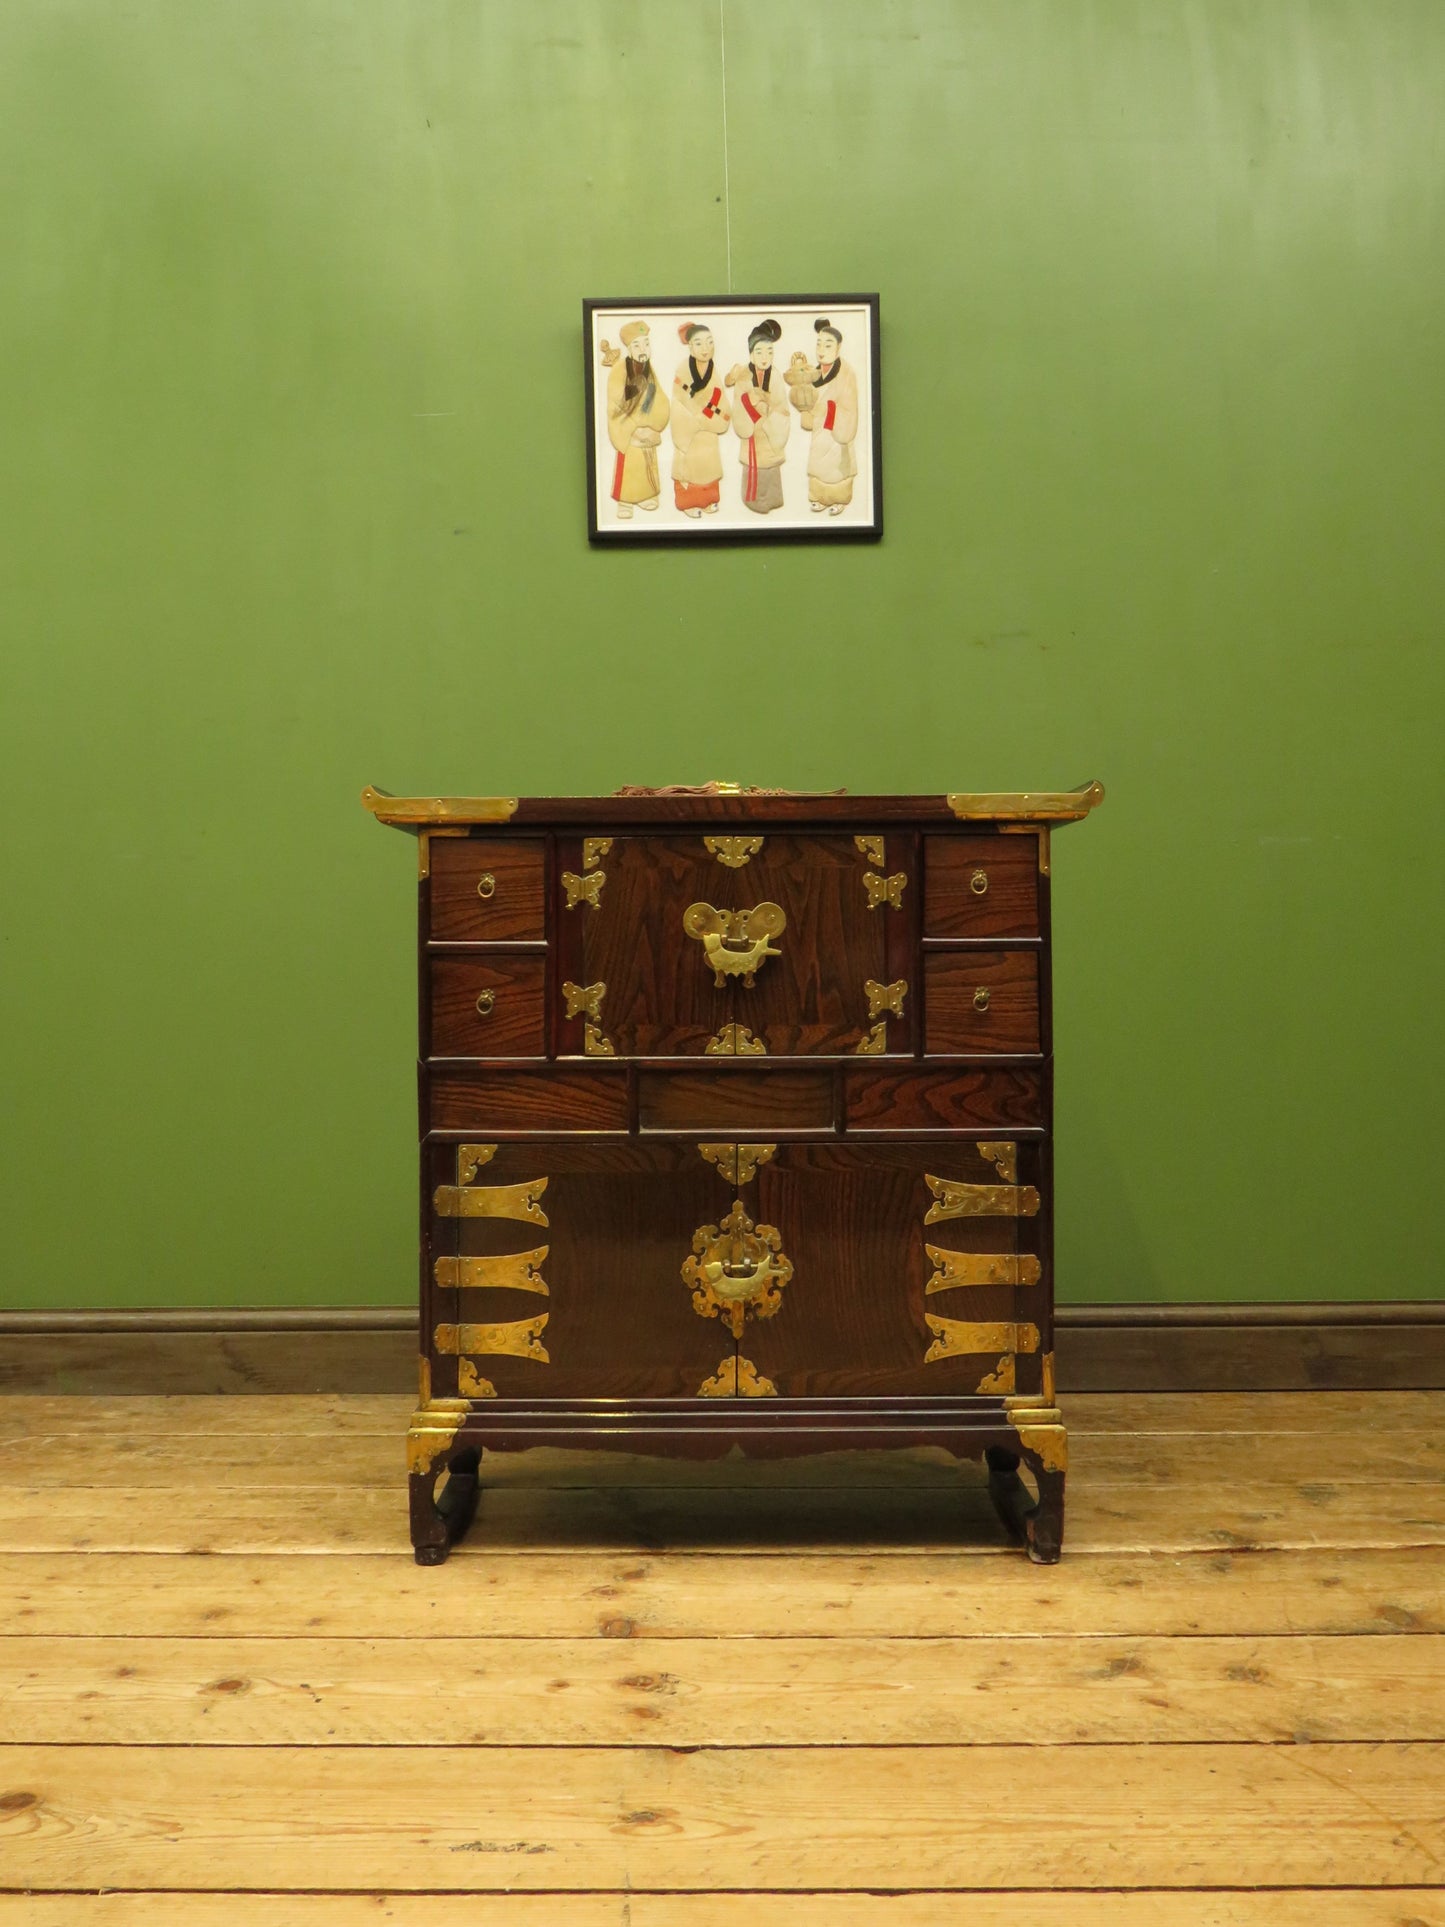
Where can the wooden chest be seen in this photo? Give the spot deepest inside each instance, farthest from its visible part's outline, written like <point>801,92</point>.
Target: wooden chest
<point>735,1130</point>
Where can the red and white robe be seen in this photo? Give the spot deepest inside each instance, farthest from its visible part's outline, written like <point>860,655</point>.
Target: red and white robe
<point>698,421</point>
<point>831,461</point>
<point>762,422</point>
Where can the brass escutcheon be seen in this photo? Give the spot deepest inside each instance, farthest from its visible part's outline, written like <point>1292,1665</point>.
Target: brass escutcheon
<point>978,883</point>
<point>736,1268</point>
<point>980,997</point>
<point>486,884</point>
<point>735,942</point>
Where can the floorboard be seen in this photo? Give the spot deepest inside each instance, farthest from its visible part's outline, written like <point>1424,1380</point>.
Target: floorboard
<point>822,1693</point>
<point>1275,1907</point>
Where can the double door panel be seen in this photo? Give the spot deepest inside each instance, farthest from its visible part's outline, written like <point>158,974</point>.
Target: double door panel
<point>716,1269</point>
<point>757,946</point>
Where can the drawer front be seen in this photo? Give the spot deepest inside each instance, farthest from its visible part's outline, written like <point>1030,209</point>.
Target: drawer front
<point>527,1098</point>
<point>637,979</point>
<point>766,945</point>
<point>486,1006</point>
<point>487,889</point>
<point>915,1269</point>
<point>554,1269</point>
<point>982,1000</point>
<point>981,886</point>
<point>908,1099</point>
<point>846,916</point>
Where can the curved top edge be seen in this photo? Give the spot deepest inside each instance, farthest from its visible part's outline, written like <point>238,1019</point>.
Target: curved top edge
<point>1032,806</point>
<point>439,812</point>
<point>420,812</point>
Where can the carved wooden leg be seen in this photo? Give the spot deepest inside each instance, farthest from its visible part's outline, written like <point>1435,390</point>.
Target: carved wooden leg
<point>1012,1500</point>
<point>429,1541</point>
<point>1045,1524</point>
<point>438,1522</point>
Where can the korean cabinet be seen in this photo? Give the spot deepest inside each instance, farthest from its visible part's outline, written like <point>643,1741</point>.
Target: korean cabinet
<point>735,1122</point>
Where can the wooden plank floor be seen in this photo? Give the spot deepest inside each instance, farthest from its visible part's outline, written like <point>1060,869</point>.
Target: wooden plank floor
<point>656,1695</point>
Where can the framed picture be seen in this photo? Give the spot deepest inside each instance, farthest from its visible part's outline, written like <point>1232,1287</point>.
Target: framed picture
<point>749,418</point>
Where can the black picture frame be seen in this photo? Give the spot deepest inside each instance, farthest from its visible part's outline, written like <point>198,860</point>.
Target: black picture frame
<point>860,519</point>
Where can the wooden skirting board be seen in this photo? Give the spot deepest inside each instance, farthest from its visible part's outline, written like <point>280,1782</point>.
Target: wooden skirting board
<point>1100,1348</point>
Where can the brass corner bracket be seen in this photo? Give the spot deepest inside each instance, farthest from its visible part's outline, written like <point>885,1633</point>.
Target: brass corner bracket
<point>733,851</point>
<point>735,1040</point>
<point>412,812</point>
<point>737,1163</point>
<point>1035,806</point>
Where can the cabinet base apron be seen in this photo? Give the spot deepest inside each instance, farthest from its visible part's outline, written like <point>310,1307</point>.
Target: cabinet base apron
<point>450,1435</point>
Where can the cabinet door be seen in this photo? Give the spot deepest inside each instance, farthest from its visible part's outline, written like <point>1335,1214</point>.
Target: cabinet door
<point>555,1269</point>
<point>838,983</point>
<point>633,981</point>
<point>915,1268</point>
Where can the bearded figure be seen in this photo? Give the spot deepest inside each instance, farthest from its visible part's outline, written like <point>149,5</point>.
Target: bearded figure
<point>637,412</point>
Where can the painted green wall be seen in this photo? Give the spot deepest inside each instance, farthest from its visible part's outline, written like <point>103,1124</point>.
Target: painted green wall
<point>292,472</point>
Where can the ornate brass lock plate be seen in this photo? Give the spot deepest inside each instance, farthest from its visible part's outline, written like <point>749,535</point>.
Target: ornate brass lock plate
<point>736,943</point>
<point>736,1269</point>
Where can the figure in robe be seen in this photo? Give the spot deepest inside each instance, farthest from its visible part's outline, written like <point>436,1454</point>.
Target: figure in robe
<point>700,414</point>
<point>762,422</point>
<point>831,413</point>
<point>637,411</point>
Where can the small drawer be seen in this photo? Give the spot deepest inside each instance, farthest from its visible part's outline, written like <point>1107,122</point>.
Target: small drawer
<point>525,1098</point>
<point>487,1007</point>
<point>487,890</point>
<point>981,886</point>
<point>981,1000</point>
<point>943,1100</point>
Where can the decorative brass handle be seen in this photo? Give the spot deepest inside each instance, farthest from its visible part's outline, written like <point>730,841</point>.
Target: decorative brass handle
<point>978,883</point>
<point>980,997</point>
<point>486,884</point>
<point>485,1001</point>
<point>735,942</point>
<point>736,1268</point>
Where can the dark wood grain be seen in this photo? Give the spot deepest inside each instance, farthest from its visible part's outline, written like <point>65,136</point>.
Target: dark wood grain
<point>621,1219</point>
<point>514,1026</point>
<point>750,1101</point>
<point>515,908</point>
<point>811,998</point>
<point>852,1223</point>
<point>661,999</point>
<point>956,1026</point>
<point>458,1098</point>
<point>937,1100</point>
<point>1008,905</point>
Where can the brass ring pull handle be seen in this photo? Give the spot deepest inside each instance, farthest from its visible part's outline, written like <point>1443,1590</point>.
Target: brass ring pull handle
<point>978,883</point>
<point>486,999</point>
<point>735,942</point>
<point>486,884</point>
<point>738,1283</point>
<point>980,997</point>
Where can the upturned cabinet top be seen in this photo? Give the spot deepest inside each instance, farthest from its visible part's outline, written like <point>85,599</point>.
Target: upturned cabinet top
<point>731,803</point>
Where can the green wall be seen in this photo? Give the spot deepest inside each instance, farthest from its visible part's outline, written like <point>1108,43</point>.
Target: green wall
<point>292,463</point>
